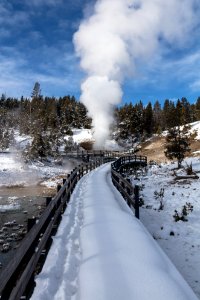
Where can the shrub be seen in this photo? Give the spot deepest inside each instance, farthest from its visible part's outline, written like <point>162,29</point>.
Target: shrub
<point>160,196</point>
<point>185,210</point>
<point>189,170</point>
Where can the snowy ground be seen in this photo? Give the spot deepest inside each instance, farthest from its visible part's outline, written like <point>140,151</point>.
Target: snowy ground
<point>102,252</point>
<point>180,240</point>
<point>195,128</point>
<point>82,135</point>
<point>86,135</point>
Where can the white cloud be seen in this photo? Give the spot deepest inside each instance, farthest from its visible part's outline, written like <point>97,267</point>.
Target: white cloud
<point>195,85</point>
<point>12,21</point>
<point>167,72</point>
<point>185,70</point>
<point>17,78</point>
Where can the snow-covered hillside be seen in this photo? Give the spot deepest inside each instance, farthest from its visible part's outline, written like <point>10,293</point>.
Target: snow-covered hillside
<point>195,128</point>
<point>180,240</point>
<point>86,135</point>
<point>82,135</point>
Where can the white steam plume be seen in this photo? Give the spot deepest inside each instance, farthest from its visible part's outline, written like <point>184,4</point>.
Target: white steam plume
<point>119,35</point>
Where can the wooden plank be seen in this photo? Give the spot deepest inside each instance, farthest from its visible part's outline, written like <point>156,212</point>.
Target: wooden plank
<point>186,177</point>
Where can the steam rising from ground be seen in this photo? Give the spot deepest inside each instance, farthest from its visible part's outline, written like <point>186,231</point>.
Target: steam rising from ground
<point>119,35</point>
<point>15,173</point>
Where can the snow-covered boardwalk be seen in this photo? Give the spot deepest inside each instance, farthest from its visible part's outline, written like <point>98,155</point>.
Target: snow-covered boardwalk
<point>102,252</point>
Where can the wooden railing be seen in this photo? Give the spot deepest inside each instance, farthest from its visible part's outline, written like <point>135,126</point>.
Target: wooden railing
<point>87,155</point>
<point>135,160</point>
<point>16,276</point>
<point>129,192</point>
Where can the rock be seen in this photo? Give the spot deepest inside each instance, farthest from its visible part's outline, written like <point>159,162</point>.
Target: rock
<point>15,228</point>
<point>9,240</point>
<point>6,247</point>
<point>4,229</point>
<point>14,236</point>
<point>10,224</point>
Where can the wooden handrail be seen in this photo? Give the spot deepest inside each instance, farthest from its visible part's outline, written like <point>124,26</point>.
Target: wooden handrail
<point>12,286</point>
<point>123,160</point>
<point>129,192</point>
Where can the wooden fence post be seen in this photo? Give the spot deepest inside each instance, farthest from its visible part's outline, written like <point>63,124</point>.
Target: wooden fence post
<point>48,200</point>
<point>64,196</point>
<point>31,223</point>
<point>59,201</point>
<point>58,188</point>
<point>136,192</point>
<point>64,181</point>
<point>68,187</point>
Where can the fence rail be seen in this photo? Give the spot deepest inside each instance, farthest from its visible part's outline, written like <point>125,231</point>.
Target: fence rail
<point>128,191</point>
<point>86,155</point>
<point>135,160</point>
<point>19,272</point>
<point>16,276</point>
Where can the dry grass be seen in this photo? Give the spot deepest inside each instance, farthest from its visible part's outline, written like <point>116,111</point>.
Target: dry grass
<point>154,149</point>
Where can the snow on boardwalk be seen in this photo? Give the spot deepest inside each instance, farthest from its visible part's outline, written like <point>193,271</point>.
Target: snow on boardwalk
<point>102,252</point>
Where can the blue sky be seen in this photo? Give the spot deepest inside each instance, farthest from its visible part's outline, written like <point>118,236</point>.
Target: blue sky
<point>36,45</point>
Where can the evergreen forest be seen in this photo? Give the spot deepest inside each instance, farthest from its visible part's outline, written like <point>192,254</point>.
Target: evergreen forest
<point>48,119</point>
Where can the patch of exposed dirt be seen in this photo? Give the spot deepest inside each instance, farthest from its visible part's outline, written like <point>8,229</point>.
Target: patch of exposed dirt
<point>154,149</point>
<point>87,145</point>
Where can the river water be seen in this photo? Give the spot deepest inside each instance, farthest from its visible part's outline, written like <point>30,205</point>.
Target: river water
<point>17,205</point>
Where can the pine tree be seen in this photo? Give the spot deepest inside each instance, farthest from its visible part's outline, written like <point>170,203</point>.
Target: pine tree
<point>126,122</point>
<point>186,111</point>
<point>177,143</point>
<point>2,100</point>
<point>6,138</point>
<point>157,118</point>
<point>197,109</point>
<point>169,114</point>
<point>70,145</point>
<point>148,119</point>
<point>36,90</point>
<point>139,119</point>
<point>40,147</point>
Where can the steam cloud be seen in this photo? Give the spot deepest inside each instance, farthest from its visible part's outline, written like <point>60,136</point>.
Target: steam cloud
<point>119,35</point>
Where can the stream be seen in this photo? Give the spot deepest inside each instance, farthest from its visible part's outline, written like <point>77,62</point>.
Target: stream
<point>17,205</point>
